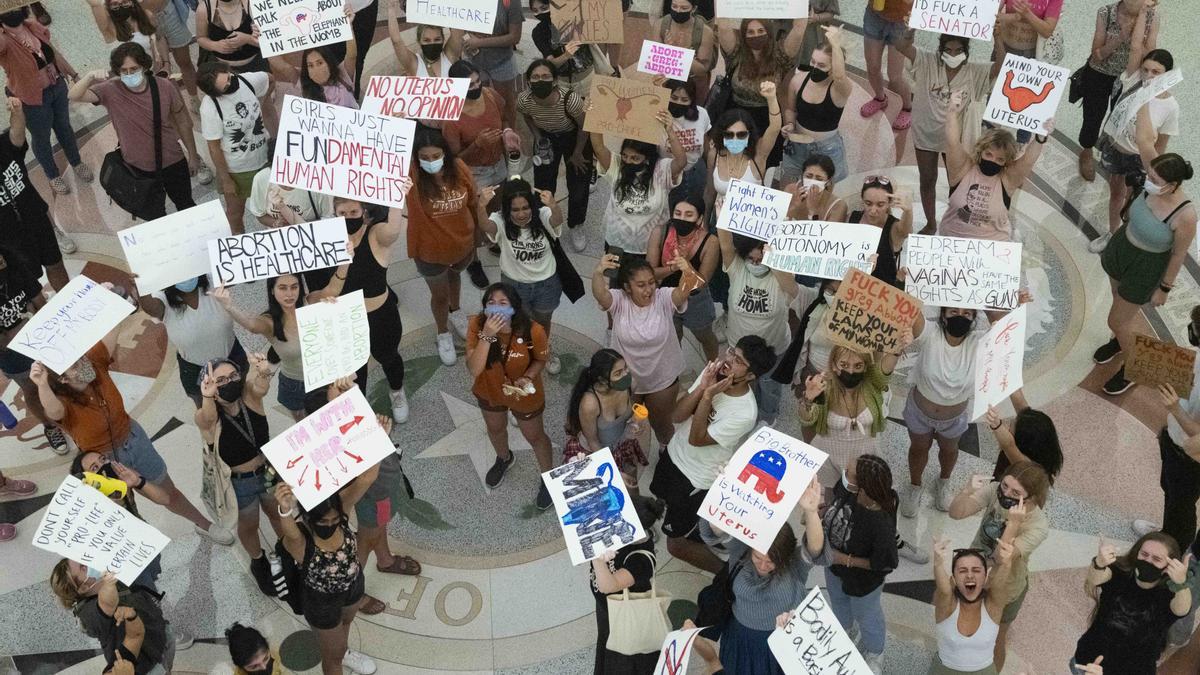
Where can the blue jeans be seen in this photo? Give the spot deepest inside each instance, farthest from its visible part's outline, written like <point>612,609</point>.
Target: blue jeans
<point>795,154</point>
<point>138,453</point>
<point>767,393</point>
<point>53,114</point>
<point>866,611</point>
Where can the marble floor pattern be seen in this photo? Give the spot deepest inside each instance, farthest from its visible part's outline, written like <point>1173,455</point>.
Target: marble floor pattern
<point>498,593</point>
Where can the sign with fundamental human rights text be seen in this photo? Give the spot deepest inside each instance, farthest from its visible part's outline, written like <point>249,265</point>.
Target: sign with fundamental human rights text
<point>274,251</point>
<point>967,273</point>
<point>593,506</point>
<point>292,25</point>
<point>870,315</point>
<point>70,323</point>
<point>1026,94</point>
<point>417,98</point>
<point>822,249</point>
<point>753,210</point>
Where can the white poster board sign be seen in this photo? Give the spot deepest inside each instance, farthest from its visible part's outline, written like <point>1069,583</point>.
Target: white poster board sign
<point>320,454</point>
<point>967,273</point>
<point>762,9</point>
<point>173,248</point>
<point>291,26</point>
<point>972,19</point>
<point>267,253</point>
<point>343,152</point>
<point>70,323</point>
<point>1121,122</point>
<point>82,524</point>
<point>417,98</point>
<point>1026,94</point>
<point>593,506</point>
<point>822,249</point>
<point>760,486</point>
<point>660,59</point>
<point>812,641</point>
<point>476,16</point>
<point>334,339</point>
<point>676,652</point>
<point>999,362</point>
<point>753,210</point>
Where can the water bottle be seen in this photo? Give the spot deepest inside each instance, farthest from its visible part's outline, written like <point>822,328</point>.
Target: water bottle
<point>7,419</point>
<point>277,579</point>
<point>637,423</point>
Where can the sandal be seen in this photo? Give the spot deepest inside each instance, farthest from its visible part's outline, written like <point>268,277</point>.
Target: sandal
<point>371,606</point>
<point>402,564</point>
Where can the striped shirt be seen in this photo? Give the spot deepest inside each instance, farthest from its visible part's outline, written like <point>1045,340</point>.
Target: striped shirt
<point>550,118</point>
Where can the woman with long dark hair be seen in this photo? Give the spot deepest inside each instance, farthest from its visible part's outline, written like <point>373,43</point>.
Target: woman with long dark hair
<point>737,149</point>
<point>692,125</point>
<point>686,236</point>
<point>225,31</point>
<point>322,78</point>
<point>1031,436</point>
<point>600,412</point>
<point>879,196</point>
<point>754,57</point>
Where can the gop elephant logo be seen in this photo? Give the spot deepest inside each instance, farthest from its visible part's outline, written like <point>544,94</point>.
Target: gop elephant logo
<point>767,467</point>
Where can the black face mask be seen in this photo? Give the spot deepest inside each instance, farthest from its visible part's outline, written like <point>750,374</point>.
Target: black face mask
<point>1005,501</point>
<point>267,670</point>
<point>231,391</point>
<point>353,224</point>
<point>14,18</point>
<point>475,93</point>
<point>683,227</point>
<point>432,52</point>
<point>850,380</point>
<point>324,530</point>
<point>543,16</point>
<point>541,88</point>
<point>677,109</point>
<point>1147,572</point>
<point>234,83</point>
<point>818,75</point>
<point>630,171</point>
<point>989,168</point>
<point>680,17</point>
<point>958,326</point>
<point>120,13</point>
<point>1193,338</point>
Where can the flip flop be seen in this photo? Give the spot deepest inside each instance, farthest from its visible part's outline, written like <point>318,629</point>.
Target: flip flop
<point>371,606</point>
<point>402,564</point>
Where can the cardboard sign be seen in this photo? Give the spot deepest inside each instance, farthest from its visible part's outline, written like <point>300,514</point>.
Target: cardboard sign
<point>813,641</point>
<point>173,248</point>
<point>83,525</point>
<point>1155,362</point>
<point>589,21</point>
<point>299,24</point>
<point>476,16</point>
<point>627,109</point>
<point>1000,361</point>
<point>334,339</point>
<point>869,315</point>
<point>753,210</point>
<point>10,5</point>
<point>1026,94</point>
<point>593,506</point>
<point>822,249</point>
<point>676,652</point>
<point>762,9</point>
<point>972,19</point>
<point>418,98</point>
<point>277,250</point>
<point>1121,124</point>
<point>322,453</point>
<point>760,486</point>
<point>343,152</point>
<point>660,59</point>
<point>967,273</point>
<point>70,323</point>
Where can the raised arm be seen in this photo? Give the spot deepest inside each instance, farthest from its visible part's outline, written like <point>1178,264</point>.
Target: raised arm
<point>814,532</point>
<point>482,216</point>
<point>81,91</point>
<point>289,532</point>
<point>964,504</point>
<point>727,35</point>
<point>477,355</point>
<point>404,56</point>
<point>103,20</point>
<point>259,325</point>
<point>16,122</point>
<point>795,37</point>
<point>1021,168</point>
<point>842,85</point>
<point>206,417</point>
<point>943,585</point>
<point>600,289</point>
<point>1004,437</point>
<point>359,486</point>
<point>728,252</point>
<point>1098,571</point>
<point>958,160</point>
<point>678,155</point>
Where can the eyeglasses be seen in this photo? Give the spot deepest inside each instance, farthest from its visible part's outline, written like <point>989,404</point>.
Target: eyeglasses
<point>732,355</point>
<point>737,134</point>
<point>226,379</point>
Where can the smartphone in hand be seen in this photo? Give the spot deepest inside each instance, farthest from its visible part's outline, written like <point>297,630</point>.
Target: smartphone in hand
<point>620,253</point>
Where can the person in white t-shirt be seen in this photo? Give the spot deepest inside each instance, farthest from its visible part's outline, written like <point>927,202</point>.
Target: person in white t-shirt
<point>278,205</point>
<point>691,128</point>
<point>231,121</point>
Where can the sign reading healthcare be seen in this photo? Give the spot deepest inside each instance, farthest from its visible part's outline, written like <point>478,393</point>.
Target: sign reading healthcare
<point>476,16</point>
<point>343,152</point>
<point>760,486</point>
<point>1026,94</point>
<point>753,210</point>
<point>417,98</point>
<point>335,339</point>
<point>278,250</point>
<point>173,248</point>
<point>762,9</point>
<point>320,454</point>
<point>593,506</point>
<point>870,315</point>
<point>70,323</point>
<point>967,273</point>
<point>660,59</point>
<point>821,249</point>
<point>813,641</point>
<point>291,25</point>
<point>967,18</point>
<point>999,361</point>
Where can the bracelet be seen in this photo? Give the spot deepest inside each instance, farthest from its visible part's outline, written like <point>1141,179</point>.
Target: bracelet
<point>486,338</point>
<point>1095,566</point>
<point>993,428</point>
<point>141,484</point>
<point>339,277</point>
<point>1041,139</point>
<point>1174,587</point>
<point>1165,288</point>
<point>290,513</point>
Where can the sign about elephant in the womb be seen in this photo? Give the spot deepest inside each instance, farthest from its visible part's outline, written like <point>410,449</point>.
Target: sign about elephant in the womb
<point>1026,94</point>
<point>626,109</point>
<point>593,506</point>
<point>760,486</point>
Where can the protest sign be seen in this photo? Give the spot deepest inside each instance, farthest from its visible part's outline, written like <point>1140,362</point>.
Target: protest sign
<point>417,98</point>
<point>589,21</point>
<point>760,486</point>
<point>762,9</point>
<point>173,248</point>
<point>968,18</point>
<point>334,339</point>
<point>343,152</point>
<point>821,249</point>
<point>660,59</point>
<point>1121,122</point>
<point>476,16</point>
<point>967,273</point>
<point>869,315</point>
<point>1026,94</point>
<point>70,323</point>
<point>593,506</point>
<point>83,525</point>
<point>9,5</point>
<point>676,652</point>
<point>626,109</point>
<point>1155,362</point>
<point>999,361</point>
<point>320,454</point>
<point>291,25</point>
<point>813,641</point>
<point>278,250</point>
<point>753,210</point>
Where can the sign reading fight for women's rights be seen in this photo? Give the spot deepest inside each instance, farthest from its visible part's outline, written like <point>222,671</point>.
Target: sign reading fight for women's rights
<point>753,210</point>
<point>417,98</point>
<point>967,273</point>
<point>762,9</point>
<point>593,506</point>
<point>626,108</point>
<point>1026,94</point>
<point>821,249</point>
<point>1000,361</point>
<point>322,453</point>
<point>278,250</point>
<point>1121,122</point>
<point>342,152</point>
<point>760,486</point>
<point>477,16</point>
<point>70,323</point>
<point>589,21</point>
<point>870,315</point>
<point>335,339</point>
<point>1155,362</point>
<point>173,248</point>
<point>291,25</point>
<point>972,19</point>
<point>813,641</point>
<point>660,59</point>
<point>82,524</point>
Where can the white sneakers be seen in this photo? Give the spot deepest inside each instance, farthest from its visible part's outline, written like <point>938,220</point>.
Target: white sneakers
<point>910,499</point>
<point>942,496</point>
<point>1100,243</point>
<point>445,347</point>
<point>554,365</point>
<point>1143,527</point>
<point>216,534</point>
<point>912,553</point>
<point>359,662</point>
<point>458,324</point>
<point>399,406</point>
<point>204,175</point>
<point>578,238</point>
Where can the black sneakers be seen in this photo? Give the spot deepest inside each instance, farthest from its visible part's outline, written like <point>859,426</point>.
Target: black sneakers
<point>478,277</point>
<point>495,475</point>
<point>1107,352</point>
<point>1117,384</point>
<point>543,500</point>
<point>260,569</point>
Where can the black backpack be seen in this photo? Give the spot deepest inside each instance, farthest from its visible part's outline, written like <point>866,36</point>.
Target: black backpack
<point>293,573</point>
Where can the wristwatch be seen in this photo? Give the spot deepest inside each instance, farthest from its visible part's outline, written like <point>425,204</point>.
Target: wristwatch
<point>486,338</point>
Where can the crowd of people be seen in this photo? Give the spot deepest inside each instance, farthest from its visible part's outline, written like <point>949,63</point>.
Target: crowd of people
<point>773,116</point>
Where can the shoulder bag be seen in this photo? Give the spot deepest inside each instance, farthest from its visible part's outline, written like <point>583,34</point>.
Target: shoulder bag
<point>715,600</point>
<point>568,276</point>
<point>128,189</point>
<point>216,489</point>
<point>637,622</point>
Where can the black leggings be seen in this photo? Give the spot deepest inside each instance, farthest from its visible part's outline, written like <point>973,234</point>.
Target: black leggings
<point>545,177</point>
<point>176,183</point>
<point>364,29</point>
<point>386,331</point>
<point>1097,98</point>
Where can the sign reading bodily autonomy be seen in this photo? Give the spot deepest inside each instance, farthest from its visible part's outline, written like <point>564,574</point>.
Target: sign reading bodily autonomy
<point>1026,94</point>
<point>593,506</point>
<point>968,18</point>
<point>334,338</point>
<point>82,524</point>
<point>1121,122</point>
<point>760,486</point>
<point>821,249</point>
<point>753,210</point>
<point>762,9</point>
<point>70,323</point>
<point>417,98</point>
<point>660,59</point>
<point>813,641</point>
<point>999,361</point>
<point>870,315</point>
<point>173,248</point>
<point>589,21</point>
<point>626,108</point>
<point>320,454</point>
<point>291,25</point>
<point>477,16</point>
<point>343,152</point>
<point>277,250</point>
<point>1155,362</point>
<point>967,273</point>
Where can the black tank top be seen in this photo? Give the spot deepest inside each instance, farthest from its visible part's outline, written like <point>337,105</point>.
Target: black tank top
<point>823,116</point>
<point>365,272</point>
<point>217,32</point>
<point>673,280</point>
<point>242,435</point>
<point>885,264</point>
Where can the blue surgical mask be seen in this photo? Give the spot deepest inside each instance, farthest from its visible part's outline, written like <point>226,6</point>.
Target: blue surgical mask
<point>133,80</point>
<point>432,167</point>
<point>188,286</point>
<point>736,145</point>
<point>505,311</point>
<point>94,573</point>
<point>850,487</point>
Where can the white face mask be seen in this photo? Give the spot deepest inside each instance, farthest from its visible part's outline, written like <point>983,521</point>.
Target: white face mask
<point>1153,188</point>
<point>814,183</point>
<point>953,61</point>
<point>757,269</point>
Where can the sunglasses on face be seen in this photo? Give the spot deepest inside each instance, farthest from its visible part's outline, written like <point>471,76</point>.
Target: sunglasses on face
<point>737,134</point>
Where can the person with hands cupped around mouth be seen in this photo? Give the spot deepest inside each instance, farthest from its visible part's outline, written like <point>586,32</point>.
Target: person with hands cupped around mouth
<point>967,605</point>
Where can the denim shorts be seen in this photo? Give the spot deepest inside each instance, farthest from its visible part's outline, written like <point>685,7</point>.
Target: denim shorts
<point>921,424</point>
<point>173,26</point>
<point>540,296</point>
<point>138,453</point>
<point>428,269</point>
<point>877,28</point>
<point>291,393</point>
<point>700,312</point>
<point>249,487</point>
<point>1116,161</point>
<point>791,168</point>
<point>491,175</point>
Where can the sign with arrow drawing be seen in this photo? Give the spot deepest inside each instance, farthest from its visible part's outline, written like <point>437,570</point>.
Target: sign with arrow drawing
<point>326,450</point>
